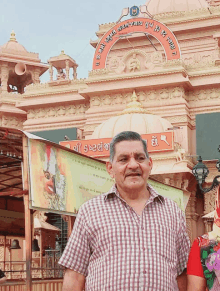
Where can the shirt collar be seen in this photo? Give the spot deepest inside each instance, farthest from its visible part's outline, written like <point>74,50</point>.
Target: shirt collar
<point>154,195</point>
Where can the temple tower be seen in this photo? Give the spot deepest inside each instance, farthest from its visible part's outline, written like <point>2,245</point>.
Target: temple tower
<point>18,68</point>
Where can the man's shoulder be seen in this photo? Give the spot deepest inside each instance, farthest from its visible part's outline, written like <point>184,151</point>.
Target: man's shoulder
<point>167,202</point>
<point>95,201</point>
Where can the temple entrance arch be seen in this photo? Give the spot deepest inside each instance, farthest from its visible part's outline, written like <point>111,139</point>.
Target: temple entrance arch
<point>146,25</point>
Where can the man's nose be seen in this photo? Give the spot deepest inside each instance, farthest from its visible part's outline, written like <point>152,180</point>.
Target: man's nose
<point>133,163</point>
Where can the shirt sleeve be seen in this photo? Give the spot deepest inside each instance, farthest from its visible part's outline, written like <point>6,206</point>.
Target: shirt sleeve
<point>77,251</point>
<point>194,266</point>
<point>183,245</point>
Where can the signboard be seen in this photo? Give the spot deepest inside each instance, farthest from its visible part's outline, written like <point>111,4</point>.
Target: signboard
<point>208,135</point>
<point>156,142</point>
<point>146,25</point>
<point>61,180</point>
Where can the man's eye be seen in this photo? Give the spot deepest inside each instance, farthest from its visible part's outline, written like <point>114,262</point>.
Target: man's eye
<point>123,160</point>
<point>140,159</point>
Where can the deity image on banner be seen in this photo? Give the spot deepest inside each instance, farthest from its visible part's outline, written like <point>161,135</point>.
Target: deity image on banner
<point>54,180</point>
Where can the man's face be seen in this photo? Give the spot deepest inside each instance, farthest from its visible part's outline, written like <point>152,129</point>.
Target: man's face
<point>130,167</point>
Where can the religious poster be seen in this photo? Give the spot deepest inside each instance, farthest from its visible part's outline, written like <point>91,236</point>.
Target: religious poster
<point>62,180</point>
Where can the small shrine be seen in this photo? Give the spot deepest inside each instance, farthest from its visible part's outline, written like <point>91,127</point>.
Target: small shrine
<point>62,63</point>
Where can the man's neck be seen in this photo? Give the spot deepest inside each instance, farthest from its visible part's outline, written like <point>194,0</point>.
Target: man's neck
<point>134,196</point>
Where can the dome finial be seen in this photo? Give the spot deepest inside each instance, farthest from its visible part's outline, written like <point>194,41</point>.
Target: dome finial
<point>62,52</point>
<point>13,38</point>
<point>134,106</point>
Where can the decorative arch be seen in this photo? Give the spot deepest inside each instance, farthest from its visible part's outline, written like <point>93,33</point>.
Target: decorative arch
<point>146,25</point>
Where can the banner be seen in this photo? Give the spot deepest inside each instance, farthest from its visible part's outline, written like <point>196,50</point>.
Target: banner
<point>61,180</point>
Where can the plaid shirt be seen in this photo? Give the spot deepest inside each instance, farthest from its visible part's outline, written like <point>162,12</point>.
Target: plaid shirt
<point>118,250</point>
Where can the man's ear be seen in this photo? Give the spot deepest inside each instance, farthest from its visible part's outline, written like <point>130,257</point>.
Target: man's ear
<point>109,169</point>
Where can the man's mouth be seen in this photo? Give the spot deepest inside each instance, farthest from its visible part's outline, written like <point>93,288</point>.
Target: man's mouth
<point>133,175</point>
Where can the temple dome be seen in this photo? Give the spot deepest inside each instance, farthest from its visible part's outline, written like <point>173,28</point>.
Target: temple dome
<point>161,6</point>
<point>133,118</point>
<point>13,45</point>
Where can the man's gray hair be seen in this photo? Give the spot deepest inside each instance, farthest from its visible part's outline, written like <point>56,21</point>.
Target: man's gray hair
<point>123,136</point>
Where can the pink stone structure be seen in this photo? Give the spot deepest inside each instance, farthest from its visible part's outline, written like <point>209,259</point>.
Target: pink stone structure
<point>175,90</point>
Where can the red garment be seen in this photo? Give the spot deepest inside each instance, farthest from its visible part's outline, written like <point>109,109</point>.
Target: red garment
<point>194,266</point>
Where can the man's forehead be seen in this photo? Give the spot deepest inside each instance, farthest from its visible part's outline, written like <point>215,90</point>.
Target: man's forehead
<point>127,147</point>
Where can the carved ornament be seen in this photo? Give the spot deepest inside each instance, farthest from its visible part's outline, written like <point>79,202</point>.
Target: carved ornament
<point>56,111</point>
<point>209,199</point>
<point>183,16</point>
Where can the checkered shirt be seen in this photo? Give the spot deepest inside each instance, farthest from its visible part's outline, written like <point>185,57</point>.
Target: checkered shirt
<point>118,250</point>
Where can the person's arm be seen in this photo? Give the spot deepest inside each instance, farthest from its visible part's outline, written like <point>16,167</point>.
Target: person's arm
<point>195,276</point>
<point>73,281</point>
<point>195,283</point>
<point>2,280</point>
<point>182,281</point>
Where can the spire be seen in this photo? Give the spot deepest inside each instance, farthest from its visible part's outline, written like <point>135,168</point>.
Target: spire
<point>134,106</point>
<point>13,38</point>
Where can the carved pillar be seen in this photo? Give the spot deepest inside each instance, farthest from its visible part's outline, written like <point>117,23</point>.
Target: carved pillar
<point>74,73</point>
<point>67,69</point>
<point>51,72</point>
<point>36,76</point>
<point>4,77</point>
<point>208,224</point>
<point>209,206</point>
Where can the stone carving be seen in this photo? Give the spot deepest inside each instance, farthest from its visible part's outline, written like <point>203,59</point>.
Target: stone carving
<point>177,92</point>
<point>156,59</point>
<point>107,100</point>
<point>208,94</point>
<point>164,94</point>
<point>14,122</point>
<point>98,72</point>
<point>57,111</point>
<point>200,60</point>
<point>61,110</point>
<point>70,110</point>
<point>95,101</point>
<point>142,96</point>
<point>135,61</point>
<point>209,199</point>
<point>113,64</point>
<point>134,64</point>
<point>180,16</point>
<point>118,99</point>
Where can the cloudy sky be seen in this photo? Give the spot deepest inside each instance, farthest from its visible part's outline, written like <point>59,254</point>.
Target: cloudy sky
<point>46,27</point>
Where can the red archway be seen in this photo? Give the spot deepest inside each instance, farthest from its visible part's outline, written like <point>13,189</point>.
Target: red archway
<point>146,25</point>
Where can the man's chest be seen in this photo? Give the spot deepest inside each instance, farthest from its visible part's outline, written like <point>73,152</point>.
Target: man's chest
<point>119,228</point>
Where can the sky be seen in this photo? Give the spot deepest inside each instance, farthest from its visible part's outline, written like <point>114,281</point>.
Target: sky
<point>47,27</point>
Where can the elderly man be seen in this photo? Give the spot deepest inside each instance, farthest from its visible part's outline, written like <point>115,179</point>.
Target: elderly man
<point>130,238</point>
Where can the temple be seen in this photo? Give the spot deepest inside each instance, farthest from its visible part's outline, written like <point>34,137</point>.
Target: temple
<point>152,73</point>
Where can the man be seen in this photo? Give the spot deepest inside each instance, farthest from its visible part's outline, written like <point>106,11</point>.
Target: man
<point>130,238</point>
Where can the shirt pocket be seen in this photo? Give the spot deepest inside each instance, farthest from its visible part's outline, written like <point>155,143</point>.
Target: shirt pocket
<point>163,242</point>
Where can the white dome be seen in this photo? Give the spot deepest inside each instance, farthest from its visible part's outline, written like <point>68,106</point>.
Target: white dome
<point>141,123</point>
<point>162,6</point>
